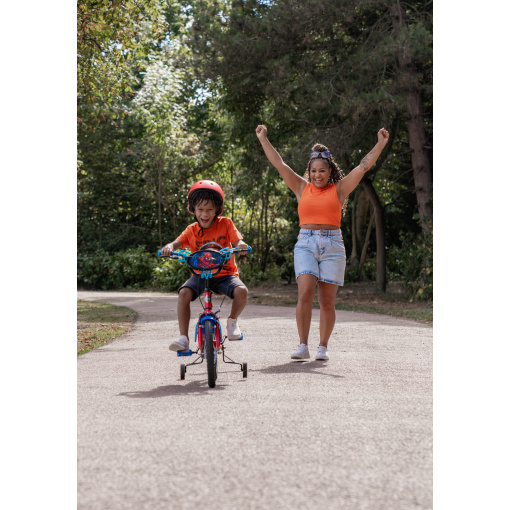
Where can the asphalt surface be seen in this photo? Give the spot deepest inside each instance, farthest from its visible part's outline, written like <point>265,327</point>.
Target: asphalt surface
<point>354,432</point>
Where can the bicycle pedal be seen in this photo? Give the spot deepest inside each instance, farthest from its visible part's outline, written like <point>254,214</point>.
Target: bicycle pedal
<point>189,352</point>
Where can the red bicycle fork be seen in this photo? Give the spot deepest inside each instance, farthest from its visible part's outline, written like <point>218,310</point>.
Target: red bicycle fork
<point>216,325</point>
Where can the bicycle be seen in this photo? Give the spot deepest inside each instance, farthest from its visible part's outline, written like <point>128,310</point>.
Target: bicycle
<point>207,263</point>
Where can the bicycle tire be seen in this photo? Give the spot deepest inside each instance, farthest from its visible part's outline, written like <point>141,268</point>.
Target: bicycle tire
<point>210,354</point>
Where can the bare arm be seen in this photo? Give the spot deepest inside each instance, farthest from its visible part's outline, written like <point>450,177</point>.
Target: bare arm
<point>294,181</point>
<point>169,248</point>
<point>241,244</point>
<point>346,185</point>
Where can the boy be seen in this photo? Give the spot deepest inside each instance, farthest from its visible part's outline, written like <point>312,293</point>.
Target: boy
<point>205,201</point>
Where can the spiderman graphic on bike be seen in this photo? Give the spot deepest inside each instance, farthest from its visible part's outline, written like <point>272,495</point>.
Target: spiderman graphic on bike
<point>206,260</point>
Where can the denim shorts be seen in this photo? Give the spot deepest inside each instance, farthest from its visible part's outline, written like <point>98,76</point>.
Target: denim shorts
<point>321,253</point>
<point>222,285</point>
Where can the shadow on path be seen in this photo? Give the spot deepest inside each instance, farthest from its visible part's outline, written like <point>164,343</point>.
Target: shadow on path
<point>195,387</point>
<point>296,367</point>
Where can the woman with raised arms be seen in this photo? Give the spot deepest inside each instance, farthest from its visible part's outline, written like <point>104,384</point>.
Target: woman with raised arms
<point>319,253</point>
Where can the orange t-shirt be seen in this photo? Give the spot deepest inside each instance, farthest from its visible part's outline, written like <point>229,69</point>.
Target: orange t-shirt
<point>320,206</point>
<point>222,232</point>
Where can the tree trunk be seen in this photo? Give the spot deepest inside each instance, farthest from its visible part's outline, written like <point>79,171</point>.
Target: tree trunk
<point>364,251</point>
<point>415,125</point>
<point>379,233</point>
<point>421,166</point>
<point>362,205</point>
<point>265,233</point>
<point>354,258</point>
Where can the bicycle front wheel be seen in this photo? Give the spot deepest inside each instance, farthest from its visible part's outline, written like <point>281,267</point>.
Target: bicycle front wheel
<point>210,354</point>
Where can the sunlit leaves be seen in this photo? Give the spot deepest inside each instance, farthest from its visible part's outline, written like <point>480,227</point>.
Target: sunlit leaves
<point>111,36</point>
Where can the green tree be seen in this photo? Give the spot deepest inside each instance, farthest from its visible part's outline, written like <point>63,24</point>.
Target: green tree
<point>320,71</point>
<point>135,175</point>
<point>223,67</point>
<point>113,38</point>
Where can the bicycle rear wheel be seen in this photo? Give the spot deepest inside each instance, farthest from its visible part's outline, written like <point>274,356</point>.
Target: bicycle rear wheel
<point>210,354</point>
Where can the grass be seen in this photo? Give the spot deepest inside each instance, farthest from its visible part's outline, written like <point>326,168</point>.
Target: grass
<point>100,323</point>
<point>354,297</point>
<point>424,315</point>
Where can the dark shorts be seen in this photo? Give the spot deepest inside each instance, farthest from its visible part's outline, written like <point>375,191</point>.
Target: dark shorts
<point>223,285</point>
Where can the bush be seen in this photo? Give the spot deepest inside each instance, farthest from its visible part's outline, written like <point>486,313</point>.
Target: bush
<point>287,267</point>
<point>414,263</point>
<point>352,272</point>
<point>94,270</point>
<point>104,271</point>
<point>133,267</point>
<point>170,274</point>
<point>251,274</point>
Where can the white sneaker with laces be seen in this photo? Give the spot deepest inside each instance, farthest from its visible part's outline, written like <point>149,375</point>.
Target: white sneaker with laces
<point>181,344</point>
<point>233,330</point>
<point>322,353</point>
<point>301,352</point>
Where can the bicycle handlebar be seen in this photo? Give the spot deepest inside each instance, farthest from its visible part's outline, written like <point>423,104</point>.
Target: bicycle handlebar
<point>205,263</point>
<point>181,254</point>
<point>172,256</point>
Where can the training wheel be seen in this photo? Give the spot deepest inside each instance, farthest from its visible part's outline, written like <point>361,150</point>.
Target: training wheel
<point>245,370</point>
<point>183,371</point>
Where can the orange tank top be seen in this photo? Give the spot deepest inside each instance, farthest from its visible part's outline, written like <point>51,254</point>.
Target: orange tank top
<point>320,206</point>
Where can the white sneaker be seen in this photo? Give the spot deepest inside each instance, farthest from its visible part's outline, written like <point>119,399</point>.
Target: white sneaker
<point>181,344</point>
<point>233,331</point>
<point>322,353</point>
<point>301,352</point>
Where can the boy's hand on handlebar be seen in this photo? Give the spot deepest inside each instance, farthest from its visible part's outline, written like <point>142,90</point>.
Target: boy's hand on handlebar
<point>242,247</point>
<point>166,251</point>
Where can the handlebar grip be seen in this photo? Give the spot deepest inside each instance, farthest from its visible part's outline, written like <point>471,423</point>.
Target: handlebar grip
<point>172,256</point>
<point>237,250</point>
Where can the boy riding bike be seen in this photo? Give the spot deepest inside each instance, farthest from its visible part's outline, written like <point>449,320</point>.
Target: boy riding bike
<point>205,201</point>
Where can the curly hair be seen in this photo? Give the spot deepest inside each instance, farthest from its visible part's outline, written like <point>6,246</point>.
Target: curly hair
<point>204,195</point>
<point>336,173</point>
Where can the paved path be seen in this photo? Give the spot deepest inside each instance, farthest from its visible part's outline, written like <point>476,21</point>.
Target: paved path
<point>351,433</point>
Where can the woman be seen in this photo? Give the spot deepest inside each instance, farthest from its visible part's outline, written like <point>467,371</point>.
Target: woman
<point>319,254</point>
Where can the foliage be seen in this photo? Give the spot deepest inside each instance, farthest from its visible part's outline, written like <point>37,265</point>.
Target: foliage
<point>337,82</point>
<point>129,268</point>
<point>134,177</point>
<point>170,275</point>
<point>132,183</point>
<point>287,267</point>
<point>194,99</point>
<point>413,262</point>
<point>338,76</point>
<point>112,37</point>
<point>251,273</point>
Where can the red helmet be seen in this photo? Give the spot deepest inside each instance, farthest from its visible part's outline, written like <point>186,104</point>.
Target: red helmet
<point>209,186</point>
